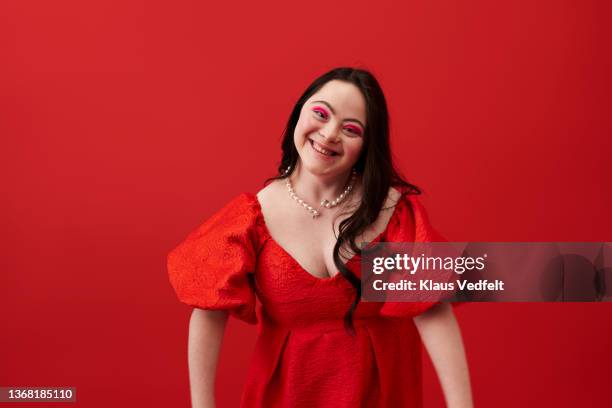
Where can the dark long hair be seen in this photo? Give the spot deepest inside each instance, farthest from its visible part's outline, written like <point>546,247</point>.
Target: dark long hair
<point>375,164</point>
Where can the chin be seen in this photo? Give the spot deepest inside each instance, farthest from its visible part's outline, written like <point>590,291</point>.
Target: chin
<point>319,169</point>
<point>315,168</point>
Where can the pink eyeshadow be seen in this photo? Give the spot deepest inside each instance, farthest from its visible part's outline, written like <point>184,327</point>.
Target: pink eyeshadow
<point>354,129</point>
<point>321,110</point>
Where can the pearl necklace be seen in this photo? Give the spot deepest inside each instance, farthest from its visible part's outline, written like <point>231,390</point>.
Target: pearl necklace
<point>324,203</point>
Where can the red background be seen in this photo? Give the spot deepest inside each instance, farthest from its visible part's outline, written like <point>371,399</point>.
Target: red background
<point>126,123</point>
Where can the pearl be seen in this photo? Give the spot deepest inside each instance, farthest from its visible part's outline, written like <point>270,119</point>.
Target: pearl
<point>324,203</point>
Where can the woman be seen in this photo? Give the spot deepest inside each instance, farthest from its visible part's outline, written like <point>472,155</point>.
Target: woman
<point>293,247</point>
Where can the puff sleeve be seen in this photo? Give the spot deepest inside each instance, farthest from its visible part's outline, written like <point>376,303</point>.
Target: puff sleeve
<point>212,268</point>
<point>411,225</point>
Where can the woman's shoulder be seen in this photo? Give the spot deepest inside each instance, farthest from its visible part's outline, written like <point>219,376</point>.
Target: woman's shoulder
<point>271,190</point>
<point>402,199</point>
<point>268,199</point>
<point>394,195</point>
<point>411,221</point>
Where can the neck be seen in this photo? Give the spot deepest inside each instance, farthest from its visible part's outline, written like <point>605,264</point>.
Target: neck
<point>315,188</point>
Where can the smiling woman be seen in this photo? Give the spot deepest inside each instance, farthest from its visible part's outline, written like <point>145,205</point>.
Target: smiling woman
<point>292,246</point>
<point>334,136</point>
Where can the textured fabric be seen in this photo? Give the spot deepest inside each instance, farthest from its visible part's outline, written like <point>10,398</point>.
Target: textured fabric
<point>303,356</point>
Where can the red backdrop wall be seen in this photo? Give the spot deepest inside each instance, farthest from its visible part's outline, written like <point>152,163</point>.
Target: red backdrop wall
<point>126,123</point>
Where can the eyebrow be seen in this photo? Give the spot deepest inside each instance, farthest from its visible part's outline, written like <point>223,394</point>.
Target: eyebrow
<point>334,112</point>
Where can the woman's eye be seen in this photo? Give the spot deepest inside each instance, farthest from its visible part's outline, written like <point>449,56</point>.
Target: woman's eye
<point>320,113</point>
<point>353,131</point>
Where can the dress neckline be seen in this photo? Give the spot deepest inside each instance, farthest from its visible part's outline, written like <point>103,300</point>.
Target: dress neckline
<point>262,222</point>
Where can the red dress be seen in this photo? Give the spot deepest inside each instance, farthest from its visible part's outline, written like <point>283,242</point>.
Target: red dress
<point>303,356</point>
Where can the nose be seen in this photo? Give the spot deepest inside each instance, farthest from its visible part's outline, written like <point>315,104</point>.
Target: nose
<point>330,134</point>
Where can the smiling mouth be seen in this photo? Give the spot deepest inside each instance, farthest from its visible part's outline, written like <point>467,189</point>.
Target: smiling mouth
<point>321,149</point>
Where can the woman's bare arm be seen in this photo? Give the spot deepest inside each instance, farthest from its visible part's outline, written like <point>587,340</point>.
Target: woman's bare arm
<point>206,328</point>
<point>441,336</point>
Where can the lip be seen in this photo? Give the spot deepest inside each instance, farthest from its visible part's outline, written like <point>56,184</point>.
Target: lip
<point>319,154</point>
<point>324,146</point>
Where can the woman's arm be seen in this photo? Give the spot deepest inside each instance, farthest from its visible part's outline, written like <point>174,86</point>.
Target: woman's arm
<point>206,328</point>
<point>442,339</point>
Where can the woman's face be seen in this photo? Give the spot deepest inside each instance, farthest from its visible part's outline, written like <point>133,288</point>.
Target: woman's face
<point>329,133</point>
